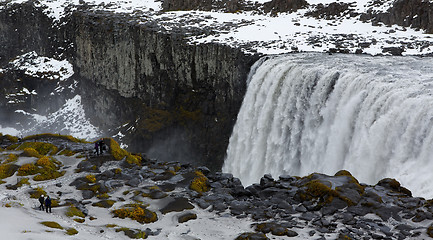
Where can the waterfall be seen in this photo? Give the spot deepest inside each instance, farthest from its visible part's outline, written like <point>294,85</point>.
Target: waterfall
<point>304,113</point>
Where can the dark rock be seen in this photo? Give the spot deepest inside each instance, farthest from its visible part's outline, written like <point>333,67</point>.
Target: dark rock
<point>87,194</point>
<point>186,217</point>
<point>252,236</point>
<point>133,182</point>
<point>177,205</point>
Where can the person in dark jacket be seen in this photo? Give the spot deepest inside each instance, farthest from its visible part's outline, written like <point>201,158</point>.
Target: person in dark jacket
<point>101,146</point>
<point>97,147</point>
<point>48,203</point>
<point>41,201</point>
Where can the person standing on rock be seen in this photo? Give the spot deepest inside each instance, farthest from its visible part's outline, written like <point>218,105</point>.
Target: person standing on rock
<point>101,146</point>
<point>97,147</point>
<point>41,201</point>
<point>48,204</point>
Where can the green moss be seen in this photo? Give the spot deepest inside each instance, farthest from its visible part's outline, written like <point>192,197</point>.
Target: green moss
<point>119,153</point>
<point>52,225</point>
<point>71,231</point>
<point>11,138</point>
<point>136,212</point>
<point>30,152</point>
<point>12,147</point>
<point>27,169</point>
<point>79,220</point>
<point>90,178</point>
<point>74,211</point>
<point>11,158</point>
<point>42,148</point>
<point>111,225</point>
<point>67,152</point>
<point>37,192</point>
<point>7,170</point>
<point>200,183</point>
<point>22,181</point>
<point>104,203</point>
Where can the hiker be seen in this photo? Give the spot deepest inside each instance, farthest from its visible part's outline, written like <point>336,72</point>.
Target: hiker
<point>41,201</point>
<point>48,204</point>
<point>101,145</point>
<point>97,147</point>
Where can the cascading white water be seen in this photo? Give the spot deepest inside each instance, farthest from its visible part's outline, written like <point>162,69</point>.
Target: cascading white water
<point>304,113</point>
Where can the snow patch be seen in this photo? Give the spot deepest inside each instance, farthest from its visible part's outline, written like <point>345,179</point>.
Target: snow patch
<point>43,67</point>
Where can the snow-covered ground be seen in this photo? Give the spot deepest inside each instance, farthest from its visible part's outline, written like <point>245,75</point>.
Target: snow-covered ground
<point>283,33</point>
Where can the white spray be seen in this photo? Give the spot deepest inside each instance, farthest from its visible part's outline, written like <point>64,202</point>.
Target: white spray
<point>309,113</point>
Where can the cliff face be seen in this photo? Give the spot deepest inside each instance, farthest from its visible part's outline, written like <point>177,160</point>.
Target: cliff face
<point>174,100</point>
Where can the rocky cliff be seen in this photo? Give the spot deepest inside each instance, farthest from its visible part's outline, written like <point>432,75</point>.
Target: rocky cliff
<point>174,100</point>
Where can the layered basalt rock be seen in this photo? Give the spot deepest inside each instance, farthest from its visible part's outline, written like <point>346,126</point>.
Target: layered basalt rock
<point>172,98</point>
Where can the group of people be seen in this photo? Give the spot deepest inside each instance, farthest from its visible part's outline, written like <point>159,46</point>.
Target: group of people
<point>45,202</point>
<point>99,146</point>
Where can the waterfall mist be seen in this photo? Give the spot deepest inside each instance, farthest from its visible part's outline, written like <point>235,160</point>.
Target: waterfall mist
<point>309,113</point>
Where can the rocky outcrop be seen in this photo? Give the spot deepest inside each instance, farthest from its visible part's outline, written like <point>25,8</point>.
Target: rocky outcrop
<point>170,92</point>
<point>417,14</point>
<point>174,100</point>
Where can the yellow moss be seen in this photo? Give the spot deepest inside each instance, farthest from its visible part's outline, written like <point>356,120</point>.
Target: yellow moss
<point>71,231</point>
<point>117,171</point>
<point>91,178</point>
<point>79,220</point>
<point>42,148</point>
<point>55,203</point>
<point>7,170</point>
<point>111,225</point>
<point>200,183</point>
<point>119,153</point>
<point>37,192</point>
<point>48,175</point>
<point>11,158</point>
<point>11,138</point>
<point>74,211</point>
<point>67,152</point>
<point>52,225</point>
<point>12,147</point>
<point>103,196</point>
<point>30,152</point>
<point>136,212</point>
<point>22,181</point>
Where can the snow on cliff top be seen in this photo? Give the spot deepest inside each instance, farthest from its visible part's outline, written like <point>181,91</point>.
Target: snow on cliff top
<point>262,33</point>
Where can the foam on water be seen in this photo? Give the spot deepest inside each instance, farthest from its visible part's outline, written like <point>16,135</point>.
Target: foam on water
<point>309,113</point>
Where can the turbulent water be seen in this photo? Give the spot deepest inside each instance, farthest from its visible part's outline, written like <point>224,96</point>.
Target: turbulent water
<point>309,113</point>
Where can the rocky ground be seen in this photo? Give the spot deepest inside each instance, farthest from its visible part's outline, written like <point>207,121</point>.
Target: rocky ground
<point>108,192</point>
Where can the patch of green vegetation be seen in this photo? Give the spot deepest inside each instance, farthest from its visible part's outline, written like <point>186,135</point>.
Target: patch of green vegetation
<point>104,203</point>
<point>132,233</point>
<point>67,152</point>
<point>79,220</point>
<point>119,153</point>
<point>7,170</point>
<point>74,211</point>
<point>30,152</point>
<point>71,231</point>
<point>11,158</point>
<point>27,169</point>
<point>90,178</point>
<point>37,192</point>
<point>103,196</point>
<point>42,148</point>
<point>137,212</point>
<point>20,183</point>
<point>11,138</point>
<point>111,225</point>
<point>52,225</point>
<point>48,169</point>
<point>12,147</point>
<point>200,183</point>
